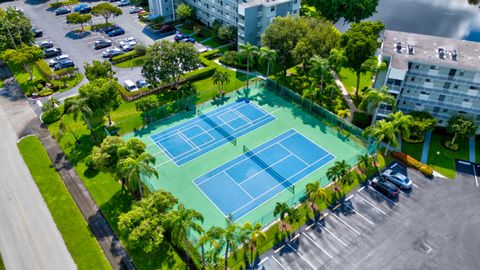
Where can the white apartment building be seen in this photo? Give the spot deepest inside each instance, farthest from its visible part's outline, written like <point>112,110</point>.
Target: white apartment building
<point>251,17</point>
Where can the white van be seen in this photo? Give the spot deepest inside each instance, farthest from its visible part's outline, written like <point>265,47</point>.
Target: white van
<point>129,85</point>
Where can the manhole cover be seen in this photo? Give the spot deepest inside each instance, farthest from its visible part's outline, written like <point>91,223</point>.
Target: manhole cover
<point>423,246</point>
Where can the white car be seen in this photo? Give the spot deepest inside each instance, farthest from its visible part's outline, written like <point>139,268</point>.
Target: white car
<point>110,52</point>
<point>398,179</point>
<point>57,59</point>
<point>128,41</point>
<point>123,3</point>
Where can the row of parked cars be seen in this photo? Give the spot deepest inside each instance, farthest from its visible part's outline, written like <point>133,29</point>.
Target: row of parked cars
<point>125,45</point>
<point>59,60</point>
<point>390,182</point>
<point>134,86</point>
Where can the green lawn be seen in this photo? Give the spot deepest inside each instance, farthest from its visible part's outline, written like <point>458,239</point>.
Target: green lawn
<point>349,80</point>
<point>413,149</point>
<point>81,244</point>
<point>184,29</point>
<point>23,78</point>
<point>477,150</point>
<point>135,62</point>
<point>212,43</point>
<point>443,159</point>
<point>2,83</point>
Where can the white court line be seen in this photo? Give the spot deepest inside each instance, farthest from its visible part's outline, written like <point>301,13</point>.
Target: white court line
<point>293,154</point>
<point>163,163</point>
<point>355,211</point>
<point>301,256</point>
<point>334,236</point>
<point>281,265</point>
<point>365,200</point>
<point>317,245</point>
<point>188,141</point>
<point>233,180</point>
<point>351,228</point>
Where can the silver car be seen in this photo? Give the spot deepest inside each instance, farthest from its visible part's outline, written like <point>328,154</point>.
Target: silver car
<point>398,179</point>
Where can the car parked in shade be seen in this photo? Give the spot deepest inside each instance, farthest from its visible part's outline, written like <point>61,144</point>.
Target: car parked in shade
<point>63,64</point>
<point>62,10</point>
<point>58,59</point>
<point>116,32</point>
<point>52,52</point>
<point>188,39</point>
<point>45,44</point>
<point>142,84</point>
<point>382,185</point>
<point>102,43</point>
<point>37,32</point>
<point>84,10</point>
<point>397,178</point>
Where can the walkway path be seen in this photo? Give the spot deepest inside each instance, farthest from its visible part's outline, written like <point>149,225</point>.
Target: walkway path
<point>345,95</point>
<point>472,149</point>
<point>426,147</point>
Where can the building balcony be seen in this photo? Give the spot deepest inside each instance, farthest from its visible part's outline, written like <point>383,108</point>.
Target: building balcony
<point>442,104</point>
<point>439,90</point>
<point>442,77</point>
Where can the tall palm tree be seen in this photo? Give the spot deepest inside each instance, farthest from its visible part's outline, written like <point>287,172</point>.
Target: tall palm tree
<point>401,123</point>
<point>282,210</point>
<point>62,127</point>
<point>209,237</point>
<point>248,51</point>
<point>344,114</point>
<point>229,239</point>
<point>383,131</point>
<point>50,104</point>
<point>185,220</point>
<point>338,171</point>
<point>220,78</point>
<point>374,97</point>
<point>269,55</point>
<point>79,106</point>
<point>311,93</point>
<point>254,235</point>
<point>315,194</point>
<point>319,68</point>
<point>364,160</point>
<point>130,169</point>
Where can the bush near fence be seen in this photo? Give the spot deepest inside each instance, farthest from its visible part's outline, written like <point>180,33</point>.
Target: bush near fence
<point>199,74</point>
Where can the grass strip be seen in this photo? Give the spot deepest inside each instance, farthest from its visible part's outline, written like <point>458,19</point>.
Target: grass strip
<point>442,159</point>
<point>80,242</point>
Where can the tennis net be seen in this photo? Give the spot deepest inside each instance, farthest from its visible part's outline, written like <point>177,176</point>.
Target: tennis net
<point>269,169</point>
<point>215,126</point>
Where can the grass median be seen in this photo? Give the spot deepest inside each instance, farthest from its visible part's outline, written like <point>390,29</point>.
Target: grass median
<point>442,159</point>
<point>81,244</point>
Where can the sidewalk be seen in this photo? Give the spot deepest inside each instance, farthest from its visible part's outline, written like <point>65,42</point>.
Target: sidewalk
<point>345,95</point>
<point>426,147</point>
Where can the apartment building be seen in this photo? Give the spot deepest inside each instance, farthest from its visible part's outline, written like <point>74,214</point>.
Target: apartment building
<point>251,17</point>
<point>435,74</point>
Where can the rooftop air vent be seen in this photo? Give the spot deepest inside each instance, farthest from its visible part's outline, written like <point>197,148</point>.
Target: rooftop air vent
<point>411,49</point>
<point>441,53</point>
<point>398,47</point>
<point>454,54</point>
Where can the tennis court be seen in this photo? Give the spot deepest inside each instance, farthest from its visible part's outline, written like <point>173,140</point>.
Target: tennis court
<point>247,181</point>
<point>191,139</point>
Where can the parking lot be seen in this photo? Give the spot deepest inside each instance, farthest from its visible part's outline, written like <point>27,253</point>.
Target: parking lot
<point>435,226</point>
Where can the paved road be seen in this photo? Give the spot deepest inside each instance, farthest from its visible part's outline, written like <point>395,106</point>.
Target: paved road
<point>29,238</point>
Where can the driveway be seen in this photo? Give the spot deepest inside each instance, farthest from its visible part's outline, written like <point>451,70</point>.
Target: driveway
<point>435,226</point>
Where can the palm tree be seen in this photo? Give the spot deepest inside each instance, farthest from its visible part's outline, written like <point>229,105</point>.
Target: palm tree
<point>269,55</point>
<point>184,220</point>
<point>79,106</point>
<point>374,97</point>
<point>383,131</point>
<point>61,130</point>
<point>50,104</point>
<point>130,169</point>
<point>248,51</point>
<point>338,171</point>
<point>254,235</point>
<point>220,78</point>
<point>315,193</point>
<point>310,93</point>
<point>282,209</point>
<point>319,69</point>
<point>344,114</point>
<point>209,237</point>
<point>229,239</point>
<point>364,160</point>
<point>401,123</point>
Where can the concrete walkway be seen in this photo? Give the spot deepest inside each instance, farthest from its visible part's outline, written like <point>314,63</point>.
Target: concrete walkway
<point>346,96</point>
<point>471,145</point>
<point>426,147</point>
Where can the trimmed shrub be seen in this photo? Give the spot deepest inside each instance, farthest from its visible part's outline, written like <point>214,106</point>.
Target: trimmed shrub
<point>53,115</point>
<point>413,163</point>
<point>61,4</point>
<point>448,144</point>
<point>89,162</point>
<point>361,119</point>
<point>124,57</point>
<point>44,69</point>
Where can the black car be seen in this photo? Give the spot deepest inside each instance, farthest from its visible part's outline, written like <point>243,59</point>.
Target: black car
<point>110,28</point>
<point>84,10</point>
<point>382,185</point>
<point>52,52</point>
<point>116,32</point>
<point>63,64</point>
<point>62,10</point>
<point>37,32</point>
<point>102,43</point>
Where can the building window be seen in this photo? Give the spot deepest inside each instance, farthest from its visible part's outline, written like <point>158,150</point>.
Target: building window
<point>445,110</point>
<point>412,79</point>
<point>272,8</point>
<point>436,109</point>
<point>461,73</point>
<point>418,104</point>
<point>432,67</point>
<point>466,100</point>
<point>446,85</point>
<point>424,93</point>
<point>462,112</point>
<point>417,66</point>
<point>441,98</point>
<point>296,1</point>
<point>455,86</point>
<point>427,80</point>
<point>295,12</point>
<point>440,121</point>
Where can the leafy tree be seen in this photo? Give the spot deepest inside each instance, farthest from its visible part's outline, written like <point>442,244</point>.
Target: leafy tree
<point>79,106</point>
<point>167,61</point>
<point>374,97</point>
<point>248,51</point>
<point>337,59</point>
<point>383,131</point>
<point>106,156</point>
<point>420,124</point>
<point>77,18</point>
<point>220,78</point>
<point>140,49</point>
<point>210,237</point>
<point>350,10</point>
<point>338,171</point>
<point>15,29</point>
<point>144,225</point>
<point>97,70</point>
<point>267,55</point>
<point>106,10</point>
<point>131,168</point>
<point>359,44</point>
<point>229,239</point>
<point>185,13</point>
<point>25,56</point>
<point>344,114</point>
<point>254,235</point>
<point>226,33</point>
<point>101,95</point>
<point>319,69</point>
<point>315,194</point>
<point>311,93</point>
<point>460,127</point>
<point>50,105</point>
<point>183,221</point>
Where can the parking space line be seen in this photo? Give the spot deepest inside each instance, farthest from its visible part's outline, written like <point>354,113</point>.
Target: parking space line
<point>280,248</point>
<point>317,245</point>
<point>334,236</point>
<point>360,189</point>
<point>413,184</point>
<point>341,220</point>
<point>365,200</point>
<point>301,256</point>
<point>263,260</point>
<point>309,227</point>
<point>385,197</point>
<point>281,265</point>
<point>356,212</point>
<point>475,174</point>
<point>295,237</point>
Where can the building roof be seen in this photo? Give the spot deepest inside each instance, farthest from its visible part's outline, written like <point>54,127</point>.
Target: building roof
<point>428,49</point>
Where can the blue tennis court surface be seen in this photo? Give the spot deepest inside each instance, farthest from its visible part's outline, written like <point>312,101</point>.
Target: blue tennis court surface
<point>204,133</point>
<point>242,184</point>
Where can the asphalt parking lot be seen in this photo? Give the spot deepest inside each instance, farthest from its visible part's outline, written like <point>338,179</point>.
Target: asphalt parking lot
<point>435,226</point>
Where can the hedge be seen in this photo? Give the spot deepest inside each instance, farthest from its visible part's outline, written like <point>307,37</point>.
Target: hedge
<point>199,74</point>
<point>52,116</point>
<point>44,69</point>
<point>61,4</point>
<point>413,163</point>
<point>124,57</point>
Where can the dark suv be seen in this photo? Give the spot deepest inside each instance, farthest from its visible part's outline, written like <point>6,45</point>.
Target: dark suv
<point>64,64</point>
<point>382,185</point>
<point>52,52</point>
<point>102,43</point>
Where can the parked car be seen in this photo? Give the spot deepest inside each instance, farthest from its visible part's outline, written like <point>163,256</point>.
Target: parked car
<point>179,36</point>
<point>52,52</point>
<point>116,32</point>
<point>58,59</point>
<point>129,85</point>
<point>187,39</point>
<point>62,10</point>
<point>37,32</point>
<point>128,41</point>
<point>102,43</point>
<point>111,1</point>
<point>86,9</point>
<point>45,44</point>
<point>79,7</point>
<point>63,64</point>
<point>167,28</point>
<point>111,52</point>
<point>123,3</point>
<point>142,84</point>
<point>134,10</point>
<point>397,178</point>
<point>382,185</point>
<point>110,28</point>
